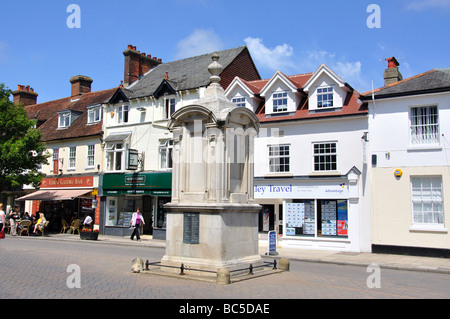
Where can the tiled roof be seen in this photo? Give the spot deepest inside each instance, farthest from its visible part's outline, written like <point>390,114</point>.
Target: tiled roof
<point>47,116</point>
<point>190,73</point>
<point>352,105</point>
<point>433,80</point>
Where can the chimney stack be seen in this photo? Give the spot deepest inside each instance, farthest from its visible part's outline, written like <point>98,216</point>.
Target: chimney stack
<point>137,64</point>
<point>392,74</point>
<point>24,95</point>
<point>80,85</point>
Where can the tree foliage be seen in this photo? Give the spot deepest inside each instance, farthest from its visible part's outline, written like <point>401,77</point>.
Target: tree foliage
<point>21,148</point>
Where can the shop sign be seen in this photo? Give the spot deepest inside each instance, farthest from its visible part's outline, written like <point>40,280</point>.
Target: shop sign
<point>84,181</point>
<point>306,190</point>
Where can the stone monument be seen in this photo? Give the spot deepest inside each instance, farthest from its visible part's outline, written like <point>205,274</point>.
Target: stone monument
<point>212,220</point>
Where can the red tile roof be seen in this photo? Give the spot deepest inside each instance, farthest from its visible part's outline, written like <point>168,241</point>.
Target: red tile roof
<point>47,116</point>
<point>352,105</point>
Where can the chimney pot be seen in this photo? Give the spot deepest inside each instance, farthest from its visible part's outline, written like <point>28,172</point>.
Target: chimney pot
<point>392,74</point>
<point>24,95</point>
<point>159,60</point>
<point>134,48</point>
<point>130,47</point>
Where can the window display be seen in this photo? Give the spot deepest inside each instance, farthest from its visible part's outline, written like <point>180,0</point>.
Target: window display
<point>330,219</point>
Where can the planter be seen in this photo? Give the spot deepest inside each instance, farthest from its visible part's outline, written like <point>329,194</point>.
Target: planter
<point>88,235</point>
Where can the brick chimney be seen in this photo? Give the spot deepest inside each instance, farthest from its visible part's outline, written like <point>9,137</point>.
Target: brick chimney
<point>80,85</point>
<point>137,64</point>
<point>24,95</point>
<point>392,74</point>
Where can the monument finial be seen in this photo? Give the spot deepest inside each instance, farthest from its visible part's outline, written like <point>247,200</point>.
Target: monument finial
<point>215,68</point>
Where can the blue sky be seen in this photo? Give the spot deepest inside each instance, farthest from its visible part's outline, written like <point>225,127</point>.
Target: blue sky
<point>38,49</point>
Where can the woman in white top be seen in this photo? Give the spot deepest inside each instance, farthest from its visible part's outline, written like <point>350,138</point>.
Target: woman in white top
<point>137,220</point>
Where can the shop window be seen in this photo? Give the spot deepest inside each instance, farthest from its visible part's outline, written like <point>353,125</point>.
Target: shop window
<point>119,210</point>
<point>317,218</point>
<point>267,218</point>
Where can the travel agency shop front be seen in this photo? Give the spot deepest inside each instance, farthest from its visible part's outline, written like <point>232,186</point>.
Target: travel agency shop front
<point>309,213</point>
<point>122,194</point>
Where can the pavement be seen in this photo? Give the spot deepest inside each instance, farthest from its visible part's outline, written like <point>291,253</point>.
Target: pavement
<point>386,261</point>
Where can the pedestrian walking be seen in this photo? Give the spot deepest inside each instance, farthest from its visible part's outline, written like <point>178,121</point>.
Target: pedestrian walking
<point>137,220</point>
<point>2,220</point>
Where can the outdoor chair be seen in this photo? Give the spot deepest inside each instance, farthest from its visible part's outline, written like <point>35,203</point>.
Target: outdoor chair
<point>43,228</point>
<point>65,226</point>
<point>76,224</point>
<point>24,225</point>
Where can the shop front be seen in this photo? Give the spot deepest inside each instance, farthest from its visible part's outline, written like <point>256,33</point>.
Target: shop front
<point>123,194</point>
<point>316,214</point>
<point>67,198</point>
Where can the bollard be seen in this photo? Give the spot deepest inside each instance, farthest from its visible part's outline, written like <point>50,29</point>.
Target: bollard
<point>284,264</point>
<point>137,265</point>
<point>223,276</point>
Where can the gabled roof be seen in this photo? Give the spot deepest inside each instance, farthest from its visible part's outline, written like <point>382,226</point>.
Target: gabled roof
<point>323,69</point>
<point>352,105</point>
<point>433,81</point>
<point>190,73</point>
<point>47,116</point>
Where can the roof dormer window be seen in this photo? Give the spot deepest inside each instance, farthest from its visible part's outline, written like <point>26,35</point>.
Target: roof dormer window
<point>64,119</point>
<point>280,102</point>
<point>94,114</point>
<point>325,97</point>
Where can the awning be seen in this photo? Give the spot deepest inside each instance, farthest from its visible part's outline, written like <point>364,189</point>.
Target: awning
<point>50,194</point>
<point>117,137</point>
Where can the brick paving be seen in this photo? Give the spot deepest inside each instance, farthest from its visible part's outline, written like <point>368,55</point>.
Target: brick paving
<point>40,271</point>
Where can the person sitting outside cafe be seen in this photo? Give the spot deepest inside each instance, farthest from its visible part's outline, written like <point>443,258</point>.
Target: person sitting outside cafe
<point>40,223</point>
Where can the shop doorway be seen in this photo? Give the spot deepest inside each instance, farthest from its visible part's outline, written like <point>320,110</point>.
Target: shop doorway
<point>266,218</point>
<point>147,213</point>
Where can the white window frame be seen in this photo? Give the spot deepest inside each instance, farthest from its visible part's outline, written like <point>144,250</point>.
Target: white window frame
<point>324,158</point>
<point>112,155</point>
<point>72,158</point>
<point>165,154</point>
<point>94,114</point>
<point>64,119</point>
<point>424,125</point>
<point>324,94</point>
<point>279,158</point>
<point>123,113</point>
<point>280,102</point>
<point>240,101</point>
<point>90,156</point>
<point>170,104</point>
<point>427,198</point>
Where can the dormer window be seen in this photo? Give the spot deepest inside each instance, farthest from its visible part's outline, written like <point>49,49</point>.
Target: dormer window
<point>94,114</point>
<point>280,102</point>
<point>64,119</point>
<point>325,97</point>
<point>239,101</point>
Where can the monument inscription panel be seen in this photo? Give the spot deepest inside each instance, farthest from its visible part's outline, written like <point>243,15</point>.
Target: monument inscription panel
<point>191,224</point>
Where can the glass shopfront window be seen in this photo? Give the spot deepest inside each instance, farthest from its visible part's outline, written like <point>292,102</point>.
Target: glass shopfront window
<point>161,214</point>
<point>120,209</point>
<point>317,218</point>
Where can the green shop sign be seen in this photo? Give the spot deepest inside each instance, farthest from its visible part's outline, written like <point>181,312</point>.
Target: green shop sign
<point>155,184</point>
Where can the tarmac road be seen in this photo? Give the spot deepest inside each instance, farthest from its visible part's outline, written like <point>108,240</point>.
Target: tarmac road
<point>44,269</point>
